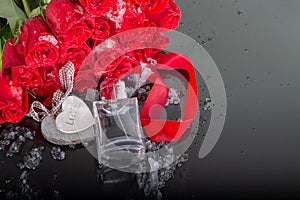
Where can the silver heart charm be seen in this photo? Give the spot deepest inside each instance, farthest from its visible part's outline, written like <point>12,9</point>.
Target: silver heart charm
<point>75,116</point>
<point>55,136</point>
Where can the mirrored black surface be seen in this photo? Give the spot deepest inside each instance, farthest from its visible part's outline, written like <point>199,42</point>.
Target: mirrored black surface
<point>256,46</point>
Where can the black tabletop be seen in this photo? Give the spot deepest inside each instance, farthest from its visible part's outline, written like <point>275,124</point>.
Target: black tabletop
<point>256,46</point>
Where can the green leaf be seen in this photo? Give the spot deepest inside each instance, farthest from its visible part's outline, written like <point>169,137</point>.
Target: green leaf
<point>26,7</point>
<point>35,12</point>
<point>12,13</point>
<point>5,35</point>
<point>31,94</point>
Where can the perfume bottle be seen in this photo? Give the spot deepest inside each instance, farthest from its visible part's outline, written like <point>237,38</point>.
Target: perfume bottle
<point>119,136</point>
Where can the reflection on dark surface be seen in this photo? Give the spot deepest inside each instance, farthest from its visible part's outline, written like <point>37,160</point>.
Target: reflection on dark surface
<point>25,168</point>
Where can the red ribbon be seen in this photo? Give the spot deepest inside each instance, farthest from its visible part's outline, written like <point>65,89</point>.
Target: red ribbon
<point>169,130</point>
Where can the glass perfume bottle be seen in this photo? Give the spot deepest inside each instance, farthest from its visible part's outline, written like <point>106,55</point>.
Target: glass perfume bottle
<point>119,133</point>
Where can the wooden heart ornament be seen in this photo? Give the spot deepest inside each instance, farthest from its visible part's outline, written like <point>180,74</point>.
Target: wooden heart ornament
<point>75,116</point>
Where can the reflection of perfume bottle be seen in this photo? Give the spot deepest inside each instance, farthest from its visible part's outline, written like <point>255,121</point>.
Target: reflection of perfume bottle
<point>118,130</point>
<point>106,175</point>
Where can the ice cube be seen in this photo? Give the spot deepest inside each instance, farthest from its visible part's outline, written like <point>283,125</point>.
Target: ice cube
<point>24,175</point>
<point>208,104</point>
<point>57,153</point>
<point>11,195</point>
<point>29,135</point>
<point>173,97</point>
<point>56,195</point>
<point>14,148</point>
<point>72,146</point>
<point>152,182</point>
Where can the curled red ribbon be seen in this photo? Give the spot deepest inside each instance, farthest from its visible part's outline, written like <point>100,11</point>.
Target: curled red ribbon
<point>169,130</point>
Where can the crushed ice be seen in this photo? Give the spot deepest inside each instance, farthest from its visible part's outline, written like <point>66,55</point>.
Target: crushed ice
<point>13,137</point>
<point>152,182</point>
<point>24,189</point>
<point>32,159</point>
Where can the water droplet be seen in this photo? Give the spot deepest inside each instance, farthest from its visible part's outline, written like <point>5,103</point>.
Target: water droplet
<point>55,176</point>
<point>203,43</point>
<point>246,50</point>
<point>249,78</point>
<point>210,38</point>
<point>239,12</point>
<point>243,153</point>
<point>8,180</point>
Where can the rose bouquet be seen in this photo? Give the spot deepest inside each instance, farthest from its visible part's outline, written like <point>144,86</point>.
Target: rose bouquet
<point>58,31</point>
<point>96,36</point>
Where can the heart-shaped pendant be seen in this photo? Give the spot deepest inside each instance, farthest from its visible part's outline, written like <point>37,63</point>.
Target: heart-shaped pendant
<point>75,116</point>
<point>55,136</point>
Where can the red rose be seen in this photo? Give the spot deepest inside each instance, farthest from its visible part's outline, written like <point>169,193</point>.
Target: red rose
<point>13,55</point>
<point>144,54</point>
<point>98,7</point>
<point>36,47</point>
<point>126,65</point>
<point>68,21</point>
<point>76,54</point>
<point>84,80</point>
<point>151,6</point>
<point>143,38</point>
<point>106,58</point>
<point>13,102</point>
<point>101,29</point>
<point>50,84</point>
<point>40,46</point>
<point>168,18</point>
<point>25,76</point>
<point>125,17</point>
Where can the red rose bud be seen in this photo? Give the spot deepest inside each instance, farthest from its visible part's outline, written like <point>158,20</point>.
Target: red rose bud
<point>13,55</point>
<point>68,21</point>
<point>168,18</point>
<point>76,54</point>
<point>40,46</point>
<point>13,102</point>
<point>85,80</point>
<point>25,76</point>
<point>98,7</point>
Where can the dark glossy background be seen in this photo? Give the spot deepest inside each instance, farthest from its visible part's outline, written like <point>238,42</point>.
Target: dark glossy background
<point>256,45</point>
